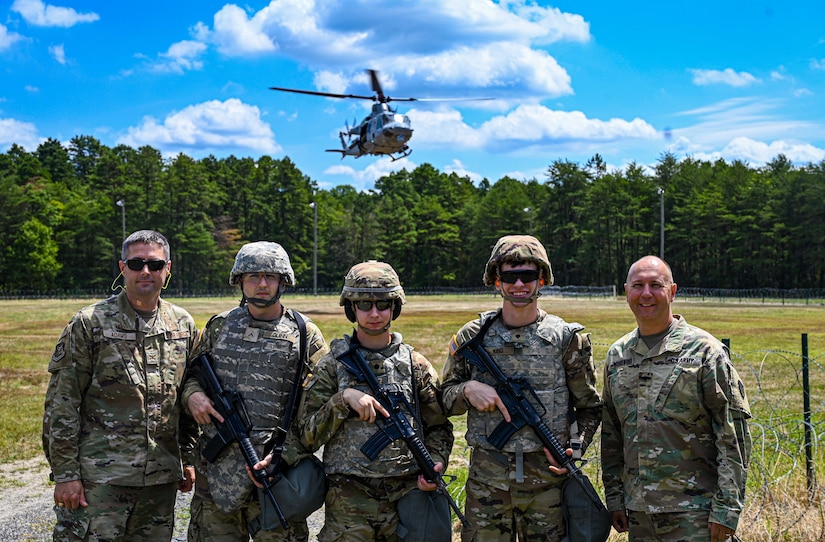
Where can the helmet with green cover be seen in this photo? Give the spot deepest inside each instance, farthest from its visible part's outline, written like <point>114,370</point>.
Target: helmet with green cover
<point>517,248</point>
<point>372,280</point>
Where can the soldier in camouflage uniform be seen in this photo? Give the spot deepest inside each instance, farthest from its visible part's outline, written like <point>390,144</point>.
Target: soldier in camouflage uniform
<point>110,426</point>
<point>511,493</point>
<point>366,497</point>
<point>675,438</point>
<point>255,349</point>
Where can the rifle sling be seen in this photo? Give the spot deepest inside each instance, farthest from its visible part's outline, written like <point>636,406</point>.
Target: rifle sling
<point>277,443</point>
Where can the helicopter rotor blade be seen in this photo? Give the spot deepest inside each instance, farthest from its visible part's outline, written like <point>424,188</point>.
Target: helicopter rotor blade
<point>326,94</point>
<point>376,86</point>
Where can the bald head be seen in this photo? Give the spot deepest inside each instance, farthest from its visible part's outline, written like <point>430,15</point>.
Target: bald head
<point>650,291</point>
<point>652,263</point>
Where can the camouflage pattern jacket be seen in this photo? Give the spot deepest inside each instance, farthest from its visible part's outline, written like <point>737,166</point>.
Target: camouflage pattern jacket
<point>552,355</point>
<point>675,435</point>
<point>325,422</point>
<point>258,360</point>
<point>112,412</point>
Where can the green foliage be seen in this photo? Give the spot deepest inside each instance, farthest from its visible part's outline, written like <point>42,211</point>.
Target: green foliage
<point>727,225</point>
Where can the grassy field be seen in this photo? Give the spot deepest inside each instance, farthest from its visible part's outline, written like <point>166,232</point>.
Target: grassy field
<point>765,340</point>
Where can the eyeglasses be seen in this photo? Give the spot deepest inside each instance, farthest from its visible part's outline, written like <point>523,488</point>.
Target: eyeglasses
<point>136,264</point>
<point>526,275</point>
<point>255,278</point>
<point>366,306</point>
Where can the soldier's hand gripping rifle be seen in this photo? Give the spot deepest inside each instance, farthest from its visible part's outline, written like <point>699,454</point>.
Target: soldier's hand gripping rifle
<point>235,428</point>
<point>514,394</point>
<point>397,426</point>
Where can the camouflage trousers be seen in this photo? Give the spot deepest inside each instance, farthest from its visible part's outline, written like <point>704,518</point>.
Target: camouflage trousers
<point>207,523</point>
<point>364,509</point>
<point>119,513</point>
<point>672,527</point>
<point>506,499</point>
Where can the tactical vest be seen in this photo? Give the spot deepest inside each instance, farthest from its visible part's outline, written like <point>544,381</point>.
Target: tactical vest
<point>257,359</point>
<point>342,454</point>
<point>534,352</point>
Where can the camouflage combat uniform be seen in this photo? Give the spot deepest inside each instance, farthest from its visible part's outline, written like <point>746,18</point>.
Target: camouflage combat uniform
<point>257,359</point>
<point>363,495</point>
<point>511,492</point>
<point>111,418</point>
<point>675,437</point>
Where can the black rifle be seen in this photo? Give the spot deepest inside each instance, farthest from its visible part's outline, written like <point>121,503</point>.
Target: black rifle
<point>397,426</point>
<point>235,428</point>
<point>514,394</point>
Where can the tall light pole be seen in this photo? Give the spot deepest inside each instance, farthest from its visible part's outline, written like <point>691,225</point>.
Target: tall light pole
<point>661,223</point>
<point>122,204</point>
<point>530,210</point>
<point>314,206</point>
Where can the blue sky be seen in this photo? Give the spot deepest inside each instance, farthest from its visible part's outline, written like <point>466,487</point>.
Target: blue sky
<point>732,79</point>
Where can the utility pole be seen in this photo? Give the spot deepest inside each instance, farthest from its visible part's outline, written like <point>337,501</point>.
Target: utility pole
<point>314,206</point>
<point>661,223</point>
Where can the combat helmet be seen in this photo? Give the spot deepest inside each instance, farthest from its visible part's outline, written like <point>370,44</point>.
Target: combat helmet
<point>372,280</point>
<point>518,248</point>
<point>262,257</point>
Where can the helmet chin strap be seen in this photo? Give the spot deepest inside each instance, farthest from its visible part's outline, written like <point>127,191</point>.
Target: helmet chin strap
<point>520,301</point>
<point>261,303</point>
<point>375,332</point>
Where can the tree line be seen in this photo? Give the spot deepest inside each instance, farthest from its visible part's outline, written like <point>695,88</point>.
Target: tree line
<point>726,225</point>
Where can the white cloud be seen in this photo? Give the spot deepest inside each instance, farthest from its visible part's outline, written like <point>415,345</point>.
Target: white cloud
<point>457,167</point>
<point>206,127</point>
<point>755,118</point>
<point>724,77</point>
<point>22,133</point>
<point>58,52</point>
<point>39,14</point>
<point>180,56</point>
<point>527,125</point>
<point>237,35</point>
<point>758,153</point>
<point>365,178</point>
<point>7,39</point>
<point>496,42</point>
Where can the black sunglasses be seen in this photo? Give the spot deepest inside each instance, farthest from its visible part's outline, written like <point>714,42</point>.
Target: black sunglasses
<point>136,264</point>
<point>366,306</point>
<point>527,275</point>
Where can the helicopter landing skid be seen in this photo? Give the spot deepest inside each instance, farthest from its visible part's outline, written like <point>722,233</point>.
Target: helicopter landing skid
<point>406,151</point>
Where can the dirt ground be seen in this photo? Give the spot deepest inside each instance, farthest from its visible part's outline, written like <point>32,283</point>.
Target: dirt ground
<point>26,505</point>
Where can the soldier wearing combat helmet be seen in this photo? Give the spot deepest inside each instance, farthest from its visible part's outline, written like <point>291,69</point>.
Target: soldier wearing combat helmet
<point>255,351</point>
<point>511,493</point>
<point>385,498</point>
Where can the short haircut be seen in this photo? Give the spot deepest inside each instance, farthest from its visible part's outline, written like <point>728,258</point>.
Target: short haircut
<point>149,237</point>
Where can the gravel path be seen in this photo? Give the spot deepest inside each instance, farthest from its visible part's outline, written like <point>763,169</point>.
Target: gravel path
<point>26,505</point>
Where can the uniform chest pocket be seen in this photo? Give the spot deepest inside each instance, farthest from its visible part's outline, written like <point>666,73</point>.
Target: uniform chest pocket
<point>680,394</point>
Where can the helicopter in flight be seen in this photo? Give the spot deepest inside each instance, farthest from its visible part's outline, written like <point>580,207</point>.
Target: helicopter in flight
<point>384,131</point>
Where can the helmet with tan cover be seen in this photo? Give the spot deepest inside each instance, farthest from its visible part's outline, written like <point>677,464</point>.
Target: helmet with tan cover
<point>517,248</point>
<point>372,280</point>
<point>262,257</point>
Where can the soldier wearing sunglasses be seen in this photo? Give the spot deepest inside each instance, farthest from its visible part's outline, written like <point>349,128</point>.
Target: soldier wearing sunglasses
<point>386,498</point>
<point>255,350</point>
<point>511,493</point>
<point>110,428</point>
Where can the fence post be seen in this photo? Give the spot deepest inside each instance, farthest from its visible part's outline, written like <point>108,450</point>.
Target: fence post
<point>806,399</point>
